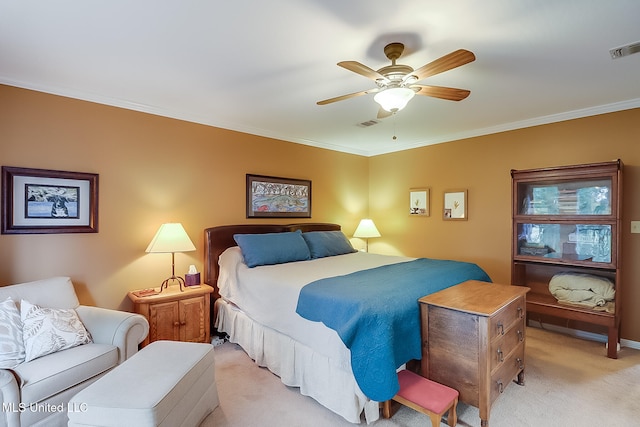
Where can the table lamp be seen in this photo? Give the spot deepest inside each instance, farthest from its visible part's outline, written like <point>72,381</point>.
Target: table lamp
<point>172,238</point>
<point>366,229</point>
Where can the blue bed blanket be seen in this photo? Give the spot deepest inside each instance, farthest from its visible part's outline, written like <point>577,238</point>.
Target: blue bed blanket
<point>377,315</point>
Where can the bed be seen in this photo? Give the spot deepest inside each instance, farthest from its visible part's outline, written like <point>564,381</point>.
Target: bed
<point>295,312</point>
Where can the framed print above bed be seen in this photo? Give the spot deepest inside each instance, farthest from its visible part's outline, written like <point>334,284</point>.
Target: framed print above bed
<point>455,205</point>
<point>274,197</point>
<point>419,202</point>
<point>40,201</point>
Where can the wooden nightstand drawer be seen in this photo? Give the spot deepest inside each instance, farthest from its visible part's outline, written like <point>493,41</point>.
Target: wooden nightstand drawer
<point>504,319</point>
<point>506,373</point>
<point>503,345</point>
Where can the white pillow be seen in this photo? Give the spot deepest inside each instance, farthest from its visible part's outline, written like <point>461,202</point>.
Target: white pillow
<point>47,330</point>
<point>11,345</point>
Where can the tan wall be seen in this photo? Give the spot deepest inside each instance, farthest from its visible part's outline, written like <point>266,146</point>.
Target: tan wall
<point>151,170</point>
<point>482,166</point>
<point>154,170</point>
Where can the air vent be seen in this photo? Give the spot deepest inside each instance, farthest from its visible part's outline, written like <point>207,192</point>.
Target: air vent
<point>627,50</point>
<point>368,123</point>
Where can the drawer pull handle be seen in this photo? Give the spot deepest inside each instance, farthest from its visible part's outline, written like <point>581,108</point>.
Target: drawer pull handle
<point>500,328</point>
<point>500,386</point>
<point>500,355</point>
<point>176,323</point>
<point>520,312</point>
<point>520,335</point>
<point>519,363</point>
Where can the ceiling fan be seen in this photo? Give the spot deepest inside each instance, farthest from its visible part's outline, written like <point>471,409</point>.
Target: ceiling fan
<point>397,83</point>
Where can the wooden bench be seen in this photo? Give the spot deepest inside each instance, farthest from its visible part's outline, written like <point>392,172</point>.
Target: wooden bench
<point>426,396</point>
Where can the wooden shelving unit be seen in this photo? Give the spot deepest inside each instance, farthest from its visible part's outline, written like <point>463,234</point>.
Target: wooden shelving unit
<point>567,220</point>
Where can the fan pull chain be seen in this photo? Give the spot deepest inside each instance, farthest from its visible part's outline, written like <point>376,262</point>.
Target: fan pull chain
<point>394,129</point>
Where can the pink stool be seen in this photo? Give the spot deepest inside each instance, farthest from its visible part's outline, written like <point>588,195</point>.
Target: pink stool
<point>426,396</point>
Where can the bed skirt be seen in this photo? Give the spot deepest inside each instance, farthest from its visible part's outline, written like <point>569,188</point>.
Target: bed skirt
<point>297,365</point>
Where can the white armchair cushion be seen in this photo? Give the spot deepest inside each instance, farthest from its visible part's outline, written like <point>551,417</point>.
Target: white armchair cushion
<point>56,292</point>
<point>11,344</point>
<point>48,330</point>
<point>47,376</point>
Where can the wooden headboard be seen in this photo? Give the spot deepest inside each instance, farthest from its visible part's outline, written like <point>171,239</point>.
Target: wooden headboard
<point>218,239</point>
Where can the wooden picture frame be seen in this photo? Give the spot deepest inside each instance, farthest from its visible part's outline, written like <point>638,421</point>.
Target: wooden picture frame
<point>275,197</point>
<point>42,201</point>
<point>455,205</point>
<point>419,202</point>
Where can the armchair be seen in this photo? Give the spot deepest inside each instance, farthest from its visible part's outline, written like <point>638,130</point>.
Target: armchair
<point>36,393</point>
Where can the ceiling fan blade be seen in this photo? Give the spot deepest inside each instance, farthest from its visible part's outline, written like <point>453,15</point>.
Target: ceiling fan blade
<point>445,63</point>
<point>448,93</point>
<point>343,97</point>
<point>361,69</point>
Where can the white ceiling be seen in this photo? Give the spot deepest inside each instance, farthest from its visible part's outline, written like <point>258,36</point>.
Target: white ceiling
<point>260,66</point>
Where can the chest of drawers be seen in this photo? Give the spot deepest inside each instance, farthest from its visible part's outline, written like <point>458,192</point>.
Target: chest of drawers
<point>473,340</point>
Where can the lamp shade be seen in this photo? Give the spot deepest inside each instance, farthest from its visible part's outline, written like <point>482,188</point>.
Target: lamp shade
<point>394,99</point>
<point>171,237</point>
<point>366,229</point>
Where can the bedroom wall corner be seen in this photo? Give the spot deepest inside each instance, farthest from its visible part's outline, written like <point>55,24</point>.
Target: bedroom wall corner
<point>482,165</point>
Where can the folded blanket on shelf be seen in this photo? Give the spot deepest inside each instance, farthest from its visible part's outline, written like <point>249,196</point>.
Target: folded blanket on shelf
<point>582,289</point>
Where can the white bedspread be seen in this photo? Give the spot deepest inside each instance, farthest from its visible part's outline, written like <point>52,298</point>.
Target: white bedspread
<point>269,294</point>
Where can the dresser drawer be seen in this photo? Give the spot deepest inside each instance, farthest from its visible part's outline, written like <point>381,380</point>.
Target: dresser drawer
<point>499,323</point>
<point>506,373</point>
<point>503,345</point>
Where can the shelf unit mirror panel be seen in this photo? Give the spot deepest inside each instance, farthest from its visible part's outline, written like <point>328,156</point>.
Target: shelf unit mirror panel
<point>566,198</point>
<point>566,242</point>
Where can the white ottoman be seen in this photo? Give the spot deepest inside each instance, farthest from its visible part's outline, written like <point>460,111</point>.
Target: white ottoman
<point>167,383</point>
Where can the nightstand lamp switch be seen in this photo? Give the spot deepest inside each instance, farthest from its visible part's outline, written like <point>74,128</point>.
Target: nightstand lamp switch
<point>171,238</point>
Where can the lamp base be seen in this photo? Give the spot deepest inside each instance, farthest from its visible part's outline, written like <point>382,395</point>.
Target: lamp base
<point>174,278</point>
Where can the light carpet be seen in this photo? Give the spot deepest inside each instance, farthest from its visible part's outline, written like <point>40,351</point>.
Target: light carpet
<point>569,382</point>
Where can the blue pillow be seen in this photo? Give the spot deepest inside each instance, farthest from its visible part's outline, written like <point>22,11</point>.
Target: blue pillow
<point>327,243</point>
<point>272,248</point>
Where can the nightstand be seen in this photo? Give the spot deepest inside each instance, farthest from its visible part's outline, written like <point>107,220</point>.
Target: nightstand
<point>175,315</point>
<point>473,340</point>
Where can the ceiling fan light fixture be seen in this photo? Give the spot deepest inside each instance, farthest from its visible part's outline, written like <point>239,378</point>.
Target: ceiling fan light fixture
<point>394,99</point>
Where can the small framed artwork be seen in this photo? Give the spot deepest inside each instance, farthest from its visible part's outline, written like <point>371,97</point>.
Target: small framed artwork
<point>455,205</point>
<point>40,201</point>
<point>274,197</point>
<point>419,202</point>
